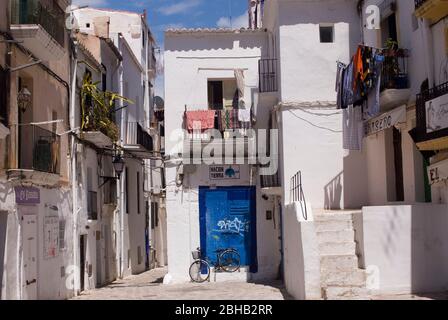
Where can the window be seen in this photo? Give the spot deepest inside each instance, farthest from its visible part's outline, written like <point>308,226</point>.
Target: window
<point>221,94</point>
<point>138,192</point>
<point>139,253</point>
<point>126,189</point>
<point>414,22</point>
<point>154,215</point>
<point>326,33</point>
<point>3,97</point>
<point>103,82</point>
<point>61,235</point>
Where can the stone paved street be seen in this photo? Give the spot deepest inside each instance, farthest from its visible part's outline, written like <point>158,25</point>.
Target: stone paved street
<point>148,286</point>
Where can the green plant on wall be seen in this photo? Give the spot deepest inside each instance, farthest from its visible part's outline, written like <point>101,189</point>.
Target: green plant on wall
<point>97,108</point>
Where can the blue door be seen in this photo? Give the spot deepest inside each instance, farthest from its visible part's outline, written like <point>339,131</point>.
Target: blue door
<point>228,220</point>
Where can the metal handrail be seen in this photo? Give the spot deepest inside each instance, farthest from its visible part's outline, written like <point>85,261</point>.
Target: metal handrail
<point>297,193</point>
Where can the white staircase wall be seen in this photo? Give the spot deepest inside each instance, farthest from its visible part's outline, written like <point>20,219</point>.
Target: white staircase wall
<point>301,255</point>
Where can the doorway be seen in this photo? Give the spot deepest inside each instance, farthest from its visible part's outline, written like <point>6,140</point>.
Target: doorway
<point>82,261</point>
<point>99,257</point>
<point>3,229</point>
<point>29,243</point>
<point>398,162</point>
<point>228,220</point>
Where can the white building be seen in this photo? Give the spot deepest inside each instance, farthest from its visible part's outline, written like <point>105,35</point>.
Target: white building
<point>200,69</point>
<point>131,35</point>
<point>352,222</point>
<point>36,204</point>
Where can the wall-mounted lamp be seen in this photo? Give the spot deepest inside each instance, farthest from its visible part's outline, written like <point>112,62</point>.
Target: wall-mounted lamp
<point>118,163</point>
<point>24,99</point>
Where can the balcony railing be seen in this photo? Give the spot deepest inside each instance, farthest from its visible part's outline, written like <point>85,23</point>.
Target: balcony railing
<point>137,136</point>
<point>39,149</point>
<point>421,125</point>
<point>394,73</point>
<point>268,79</point>
<point>237,130</point>
<point>44,13</point>
<point>270,181</point>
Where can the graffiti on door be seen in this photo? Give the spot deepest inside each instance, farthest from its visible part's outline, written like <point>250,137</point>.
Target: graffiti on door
<point>234,226</point>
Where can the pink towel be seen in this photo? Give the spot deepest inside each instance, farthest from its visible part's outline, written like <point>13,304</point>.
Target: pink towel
<point>204,118</point>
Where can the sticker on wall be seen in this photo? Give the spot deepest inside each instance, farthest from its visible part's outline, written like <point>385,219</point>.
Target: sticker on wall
<point>230,172</point>
<point>51,237</point>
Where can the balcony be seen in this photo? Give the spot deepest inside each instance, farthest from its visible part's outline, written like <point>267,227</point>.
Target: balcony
<point>138,141</point>
<point>431,132</point>
<point>271,185</point>
<point>38,155</point>
<point>268,75</point>
<point>394,80</point>
<point>207,144</point>
<point>40,24</point>
<point>434,10</point>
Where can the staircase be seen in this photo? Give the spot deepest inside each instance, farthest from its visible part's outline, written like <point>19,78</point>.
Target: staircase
<point>341,277</point>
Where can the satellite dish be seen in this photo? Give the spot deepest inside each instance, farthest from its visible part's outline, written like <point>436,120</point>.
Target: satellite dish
<point>159,102</point>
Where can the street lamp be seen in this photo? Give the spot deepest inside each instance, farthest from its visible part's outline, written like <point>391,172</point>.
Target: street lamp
<point>118,164</point>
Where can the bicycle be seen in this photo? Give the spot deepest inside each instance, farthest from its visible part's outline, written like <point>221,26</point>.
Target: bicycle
<point>227,260</point>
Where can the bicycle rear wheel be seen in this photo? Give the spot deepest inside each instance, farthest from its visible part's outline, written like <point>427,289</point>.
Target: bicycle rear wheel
<point>199,271</point>
<point>229,260</point>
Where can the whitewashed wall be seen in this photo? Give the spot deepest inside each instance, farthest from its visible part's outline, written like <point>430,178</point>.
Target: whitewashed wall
<point>405,248</point>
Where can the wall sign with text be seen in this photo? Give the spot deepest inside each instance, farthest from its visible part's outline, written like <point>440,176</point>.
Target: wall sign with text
<point>230,172</point>
<point>385,121</point>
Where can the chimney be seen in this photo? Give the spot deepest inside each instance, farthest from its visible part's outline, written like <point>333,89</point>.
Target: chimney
<point>101,26</point>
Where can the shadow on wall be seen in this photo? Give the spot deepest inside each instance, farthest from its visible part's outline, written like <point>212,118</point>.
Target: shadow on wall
<point>333,193</point>
<point>224,41</point>
<point>429,249</point>
<point>348,190</point>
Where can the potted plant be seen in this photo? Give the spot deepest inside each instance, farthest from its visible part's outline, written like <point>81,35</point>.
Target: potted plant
<point>97,108</point>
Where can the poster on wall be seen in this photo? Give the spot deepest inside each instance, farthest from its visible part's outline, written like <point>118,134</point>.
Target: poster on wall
<point>227,172</point>
<point>436,114</point>
<point>51,237</point>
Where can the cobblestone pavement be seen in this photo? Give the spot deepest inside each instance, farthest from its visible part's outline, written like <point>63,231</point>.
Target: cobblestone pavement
<point>148,286</point>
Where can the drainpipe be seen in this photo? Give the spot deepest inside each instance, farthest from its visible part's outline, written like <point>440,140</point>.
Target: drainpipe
<point>428,49</point>
<point>73,168</point>
<point>120,186</point>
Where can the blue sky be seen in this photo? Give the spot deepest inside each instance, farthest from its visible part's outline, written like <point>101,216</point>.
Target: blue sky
<point>163,14</point>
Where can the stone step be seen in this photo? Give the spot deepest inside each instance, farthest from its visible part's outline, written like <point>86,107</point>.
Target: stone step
<point>333,217</point>
<point>355,278</point>
<point>337,248</point>
<point>242,275</point>
<point>336,236</point>
<point>346,293</point>
<point>333,225</point>
<point>339,262</point>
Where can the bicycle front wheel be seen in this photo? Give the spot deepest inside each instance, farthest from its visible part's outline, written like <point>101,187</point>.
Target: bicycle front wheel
<point>230,261</point>
<point>199,271</point>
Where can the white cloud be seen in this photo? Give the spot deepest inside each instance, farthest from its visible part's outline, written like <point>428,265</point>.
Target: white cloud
<point>180,7</point>
<point>238,22</point>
